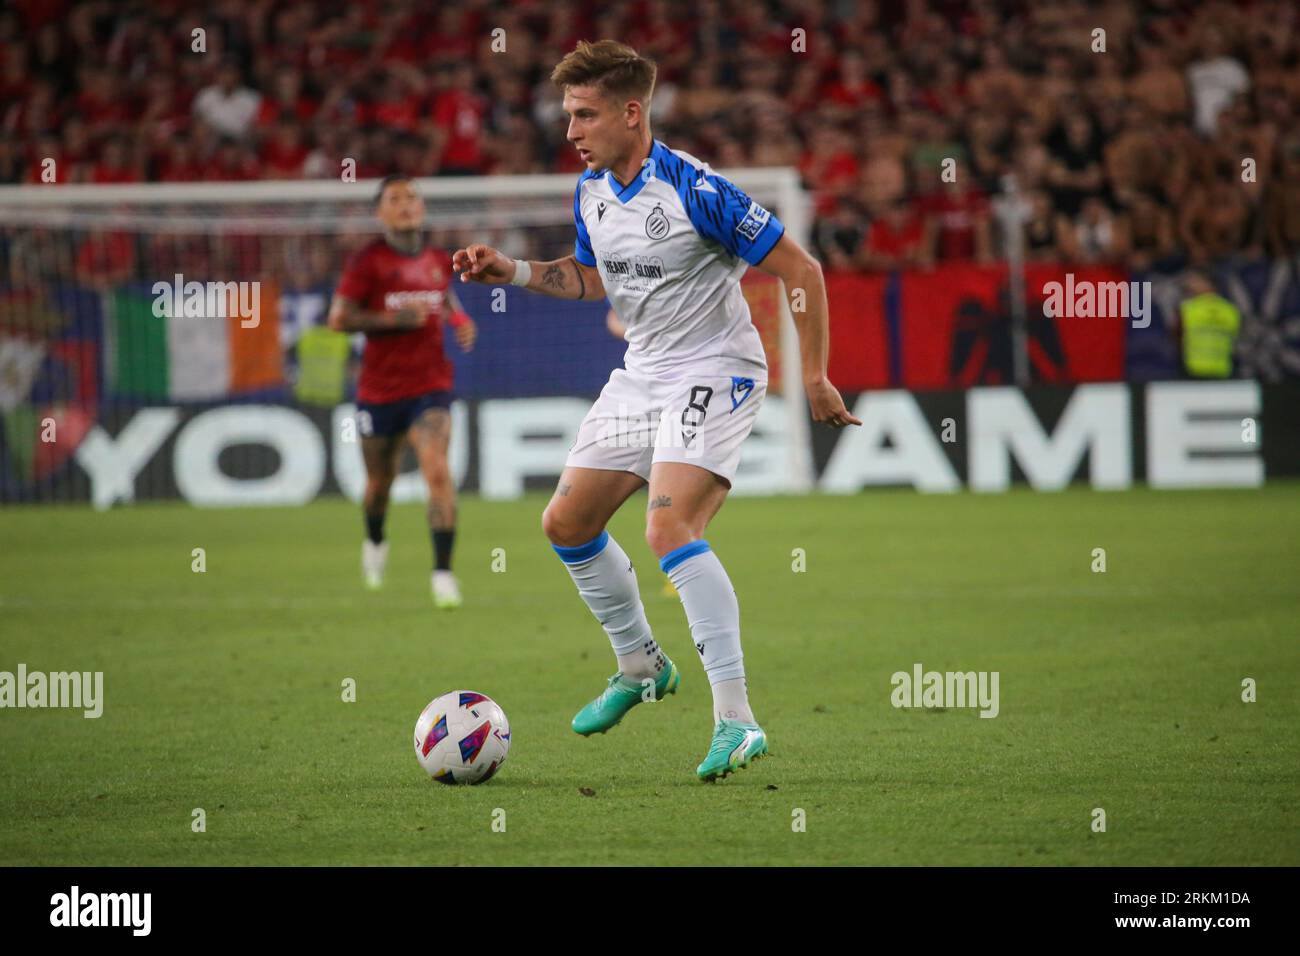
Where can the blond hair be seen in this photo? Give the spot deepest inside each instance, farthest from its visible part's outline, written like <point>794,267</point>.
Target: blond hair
<point>614,68</point>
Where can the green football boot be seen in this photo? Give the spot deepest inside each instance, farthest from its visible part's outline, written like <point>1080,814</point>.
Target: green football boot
<point>619,697</point>
<point>734,745</point>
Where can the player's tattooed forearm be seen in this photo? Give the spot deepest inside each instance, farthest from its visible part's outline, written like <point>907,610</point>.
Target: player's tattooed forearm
<point>553,277</point>
<point>563,490</point>
<point>582,283</point>
<point>663,501</point>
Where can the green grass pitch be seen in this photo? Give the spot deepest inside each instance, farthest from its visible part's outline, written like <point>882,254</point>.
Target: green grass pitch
<point>223,690</point>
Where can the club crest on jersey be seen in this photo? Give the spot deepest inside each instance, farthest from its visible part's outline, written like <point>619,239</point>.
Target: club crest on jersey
<point>656,224</point>
<point>741,389</point>
<point>754,221</point>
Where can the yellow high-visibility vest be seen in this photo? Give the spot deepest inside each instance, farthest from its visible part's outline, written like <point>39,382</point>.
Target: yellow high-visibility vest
<point>322,366</point>
<point>1210,325</point>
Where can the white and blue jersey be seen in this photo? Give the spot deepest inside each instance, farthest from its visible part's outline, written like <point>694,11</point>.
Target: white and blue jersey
<point>671,247</point>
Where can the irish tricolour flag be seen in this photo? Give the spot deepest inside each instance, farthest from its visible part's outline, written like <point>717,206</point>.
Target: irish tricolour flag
<point>192,343</point>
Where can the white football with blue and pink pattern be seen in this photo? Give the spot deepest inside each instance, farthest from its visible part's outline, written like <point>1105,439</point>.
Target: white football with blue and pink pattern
<point>462,737</point>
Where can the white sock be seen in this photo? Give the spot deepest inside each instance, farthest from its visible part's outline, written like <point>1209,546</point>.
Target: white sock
<point>714,617</point>
<point>730,700</point>
<point>606,581</point>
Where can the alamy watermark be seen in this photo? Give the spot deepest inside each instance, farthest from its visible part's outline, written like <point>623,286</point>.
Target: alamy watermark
<point>947,689</point>
<point>79,690</point>
<point>1085,299</point>
<point>630,429</point>
<point>208,300</point>
<point>75,908</point>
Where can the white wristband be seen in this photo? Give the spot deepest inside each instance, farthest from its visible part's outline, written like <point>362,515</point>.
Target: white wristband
<point>523,272</point>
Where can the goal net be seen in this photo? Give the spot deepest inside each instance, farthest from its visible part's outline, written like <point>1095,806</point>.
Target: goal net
<point>169,340</point>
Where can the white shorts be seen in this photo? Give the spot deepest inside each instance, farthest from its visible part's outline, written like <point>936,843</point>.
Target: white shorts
<point>699,419</point>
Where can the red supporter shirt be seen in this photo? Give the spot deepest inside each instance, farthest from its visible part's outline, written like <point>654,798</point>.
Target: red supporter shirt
<point>958,216</point>
<point>102,173</point>
<point>397,365</point>
<point>402,113</point>
<point>460,115</point>
<point>885,238</point>
<point>273,110</point>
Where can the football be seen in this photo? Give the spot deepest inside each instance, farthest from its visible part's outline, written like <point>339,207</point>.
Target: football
<point>462,737</point>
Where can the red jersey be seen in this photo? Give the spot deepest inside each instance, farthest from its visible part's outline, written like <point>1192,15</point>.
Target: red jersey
<point>400,364</point>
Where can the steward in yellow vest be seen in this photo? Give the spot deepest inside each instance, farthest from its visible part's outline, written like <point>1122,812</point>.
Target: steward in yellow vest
<point>1210,326</point>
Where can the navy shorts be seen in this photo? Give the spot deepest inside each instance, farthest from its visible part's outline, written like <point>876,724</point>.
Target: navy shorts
<point>394,418</point>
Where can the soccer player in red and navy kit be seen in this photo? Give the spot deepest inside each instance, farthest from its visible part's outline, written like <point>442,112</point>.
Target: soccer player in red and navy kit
<point>395,290</point>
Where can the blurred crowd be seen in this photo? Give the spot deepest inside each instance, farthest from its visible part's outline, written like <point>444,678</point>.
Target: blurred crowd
<point>1148,133</point>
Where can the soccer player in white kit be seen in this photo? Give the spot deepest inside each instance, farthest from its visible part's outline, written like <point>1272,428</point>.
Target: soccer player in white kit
<point>667,240</point>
